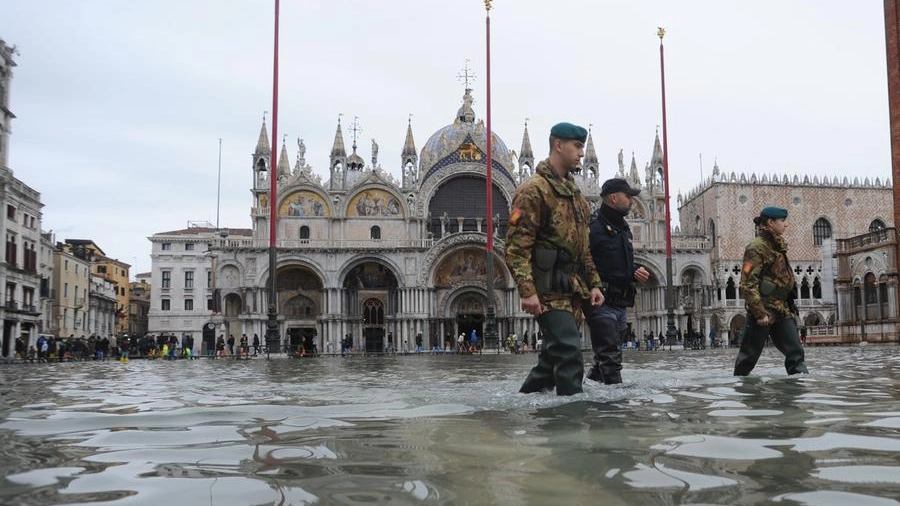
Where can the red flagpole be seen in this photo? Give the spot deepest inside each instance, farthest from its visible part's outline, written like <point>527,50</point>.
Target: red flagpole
<point>490,330</point>
<point>662,76</point>
<point>273,337</point>
<point>273,205</point>
<point>670,295</point>
<point>490,207</point>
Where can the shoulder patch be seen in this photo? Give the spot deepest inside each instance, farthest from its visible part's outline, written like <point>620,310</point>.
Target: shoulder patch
<point>515,216</point>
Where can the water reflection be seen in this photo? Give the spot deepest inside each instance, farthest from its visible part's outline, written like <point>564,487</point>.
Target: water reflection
<point>451,430</point>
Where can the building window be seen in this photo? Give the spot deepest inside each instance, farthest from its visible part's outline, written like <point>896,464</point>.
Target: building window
<point>11,249</point>
<point>304,234</point>
<point>166,279</point>
<point>869,289</point>
<point>101,269</point>
<point>166,304</point>
<point>817,288</point>
<point>188,304</point>
<point>11,212</point>
<point>166,246</point>
<point>373,312</point>
<point>876,225</point>
<point>376,233</point>
<point>189,246</point>
<point>730,289</point>
<point>209,279</point>
<point>188,279</point>
<point>804,288</point>
<point>821,231</point>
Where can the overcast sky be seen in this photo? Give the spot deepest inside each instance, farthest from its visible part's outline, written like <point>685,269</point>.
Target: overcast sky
<point>120,105</point>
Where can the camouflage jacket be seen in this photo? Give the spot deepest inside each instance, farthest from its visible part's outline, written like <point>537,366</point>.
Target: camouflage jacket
<point>767,282</point>
<point>550,212</point>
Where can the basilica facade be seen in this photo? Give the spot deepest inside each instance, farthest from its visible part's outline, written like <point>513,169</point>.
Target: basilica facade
<point>394,263</point>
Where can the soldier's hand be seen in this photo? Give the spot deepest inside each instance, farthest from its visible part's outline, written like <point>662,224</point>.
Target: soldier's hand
<point>641,275</point>
<point>764,321</point>
<point>532,305</point>
<point>597,298</point>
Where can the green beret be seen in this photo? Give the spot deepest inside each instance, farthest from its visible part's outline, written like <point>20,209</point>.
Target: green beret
<point>773,212</point>
<point>569,131</point>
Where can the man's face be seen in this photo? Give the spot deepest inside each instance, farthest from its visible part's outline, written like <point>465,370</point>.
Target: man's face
<point>571,152</point>
<point>621,201</point>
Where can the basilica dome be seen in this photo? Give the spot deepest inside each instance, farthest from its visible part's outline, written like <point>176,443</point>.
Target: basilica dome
<point>464,140</point>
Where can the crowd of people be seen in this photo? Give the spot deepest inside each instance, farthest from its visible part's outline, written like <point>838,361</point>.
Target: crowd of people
<point>61,349</point>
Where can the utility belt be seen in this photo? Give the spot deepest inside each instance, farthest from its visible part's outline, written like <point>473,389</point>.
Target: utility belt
<point>619,296</point>
<point>552,271</point>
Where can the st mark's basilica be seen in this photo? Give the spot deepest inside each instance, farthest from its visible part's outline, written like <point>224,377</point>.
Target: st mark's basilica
<point>384,262</point>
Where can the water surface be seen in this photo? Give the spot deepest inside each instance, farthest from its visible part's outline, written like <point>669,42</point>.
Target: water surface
<point>452,430</point>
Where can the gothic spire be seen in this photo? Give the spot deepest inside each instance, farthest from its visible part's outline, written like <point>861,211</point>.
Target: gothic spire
<point>526,151</point>
<point>590,155</point>
<point>284,165</point>
<point>657,158</point>
<point>337,150</point>
<point>262,145</point>
<point>633,176</point>
<point>409,147</point>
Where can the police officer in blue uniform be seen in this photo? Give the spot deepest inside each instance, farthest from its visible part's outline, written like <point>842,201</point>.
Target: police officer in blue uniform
<point>613,254</point>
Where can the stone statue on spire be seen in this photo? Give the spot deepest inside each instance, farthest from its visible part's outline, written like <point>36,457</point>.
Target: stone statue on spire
<point>374,154</point>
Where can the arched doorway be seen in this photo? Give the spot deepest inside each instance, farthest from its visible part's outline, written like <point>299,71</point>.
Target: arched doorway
<point>299,291</point>
<point>370,296</point>
<point>737,327</point>
<point>373,326</point>
<point>469,310</point>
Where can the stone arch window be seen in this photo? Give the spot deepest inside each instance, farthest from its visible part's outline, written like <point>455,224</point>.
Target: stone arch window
<point>698,225</point>
<point>821,231</point>
<point>882,289</point>
<point>375,233</point>
<point>304,234</point>
<point>804,288</point>
<point>730,289</point>
<point>817,288</point>
<point>712,233</point>
<point>869,288</point>
<point>300,306</point>
<point>876,225</point>
<point>373,312</point>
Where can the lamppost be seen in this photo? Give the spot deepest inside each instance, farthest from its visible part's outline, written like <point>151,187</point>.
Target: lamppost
<point>670,298</point>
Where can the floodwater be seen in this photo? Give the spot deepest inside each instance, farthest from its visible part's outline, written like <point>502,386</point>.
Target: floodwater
<point>452,430</point>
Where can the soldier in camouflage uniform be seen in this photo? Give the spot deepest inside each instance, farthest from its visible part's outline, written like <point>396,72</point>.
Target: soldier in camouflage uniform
<point>548,253</point>
<point>768,287</point>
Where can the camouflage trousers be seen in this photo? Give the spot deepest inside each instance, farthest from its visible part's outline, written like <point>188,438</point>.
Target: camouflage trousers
<point>784,336</point>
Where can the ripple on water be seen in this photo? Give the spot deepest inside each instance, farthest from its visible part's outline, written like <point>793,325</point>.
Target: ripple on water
<point>452,430</point>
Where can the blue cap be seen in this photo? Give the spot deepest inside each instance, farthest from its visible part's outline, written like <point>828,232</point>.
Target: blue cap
<point>773,212</point>
<point>569,131</point>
